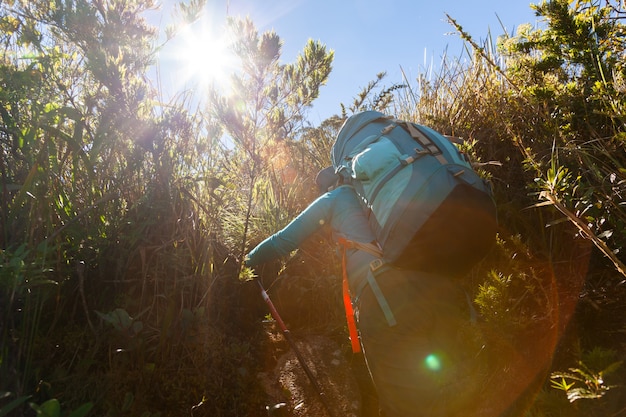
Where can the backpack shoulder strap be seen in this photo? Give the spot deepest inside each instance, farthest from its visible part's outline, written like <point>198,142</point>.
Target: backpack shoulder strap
<point>376,267</point>
<point>423,139</point>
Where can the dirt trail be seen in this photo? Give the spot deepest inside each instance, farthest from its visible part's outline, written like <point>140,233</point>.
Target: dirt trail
<point>289,389</point>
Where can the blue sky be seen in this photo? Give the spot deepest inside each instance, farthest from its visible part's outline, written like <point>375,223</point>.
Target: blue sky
<point>367,36</point>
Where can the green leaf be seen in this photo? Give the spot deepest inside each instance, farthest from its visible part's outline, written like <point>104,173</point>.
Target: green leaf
<point>247,274</point>
<point>119,318</point>
<point>51,408</point>
<point>129,398</point>
<point>81,411</point>
<point>5,410</point>
<point>612,368</point>
<point>562,385</point>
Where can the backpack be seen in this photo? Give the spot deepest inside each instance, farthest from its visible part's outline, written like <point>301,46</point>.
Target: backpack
<point>428,208</point>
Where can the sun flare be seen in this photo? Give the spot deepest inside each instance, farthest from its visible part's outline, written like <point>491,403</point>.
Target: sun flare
<point>203,56</point>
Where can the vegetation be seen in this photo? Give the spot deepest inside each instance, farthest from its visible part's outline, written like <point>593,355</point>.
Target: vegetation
<point>124,220</point>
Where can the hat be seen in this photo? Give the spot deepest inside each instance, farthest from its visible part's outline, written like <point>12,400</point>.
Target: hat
<point>326,179</point>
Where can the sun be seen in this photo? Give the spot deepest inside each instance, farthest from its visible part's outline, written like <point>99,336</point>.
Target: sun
<point>203,56</point>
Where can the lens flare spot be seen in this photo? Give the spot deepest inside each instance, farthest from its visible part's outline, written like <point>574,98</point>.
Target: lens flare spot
<point>432,362</point>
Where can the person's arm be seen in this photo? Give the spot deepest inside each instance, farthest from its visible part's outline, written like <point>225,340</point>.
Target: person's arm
<point>316,215</point>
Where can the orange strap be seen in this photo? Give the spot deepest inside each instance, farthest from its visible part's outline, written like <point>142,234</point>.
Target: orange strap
<point>347,302</point>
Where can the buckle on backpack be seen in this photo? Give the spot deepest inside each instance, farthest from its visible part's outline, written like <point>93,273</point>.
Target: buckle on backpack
<point>376,264</point>
<point>388,129</point>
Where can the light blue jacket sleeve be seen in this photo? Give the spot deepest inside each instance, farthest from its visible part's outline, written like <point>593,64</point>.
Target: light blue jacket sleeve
<point>340,209</point>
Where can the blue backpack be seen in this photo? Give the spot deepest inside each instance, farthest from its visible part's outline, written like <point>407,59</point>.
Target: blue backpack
<point>428,208</point>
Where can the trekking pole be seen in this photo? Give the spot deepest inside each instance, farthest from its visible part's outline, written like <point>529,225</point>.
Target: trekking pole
<point>291,342</point>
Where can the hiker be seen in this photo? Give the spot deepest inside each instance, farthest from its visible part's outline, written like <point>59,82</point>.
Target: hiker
<point>417,363</point>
